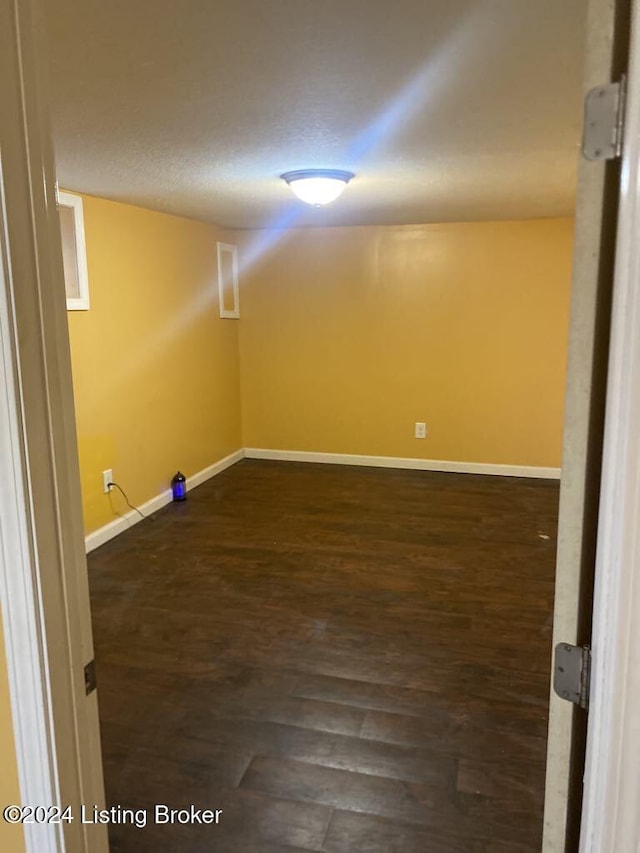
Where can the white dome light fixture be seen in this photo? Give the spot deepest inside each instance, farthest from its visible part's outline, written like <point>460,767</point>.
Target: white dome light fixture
<point>317,186</point>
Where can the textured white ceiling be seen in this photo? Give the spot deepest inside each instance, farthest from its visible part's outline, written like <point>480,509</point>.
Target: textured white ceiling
<point>444,109</point>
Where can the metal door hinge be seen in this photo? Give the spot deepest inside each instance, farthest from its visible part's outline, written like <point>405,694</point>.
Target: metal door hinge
<point>604,121</point>
<point>572,673</point>
<point>90,677</point>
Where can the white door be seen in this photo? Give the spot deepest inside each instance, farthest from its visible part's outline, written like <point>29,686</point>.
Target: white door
<point>611,814</point>
<point>593,274</point>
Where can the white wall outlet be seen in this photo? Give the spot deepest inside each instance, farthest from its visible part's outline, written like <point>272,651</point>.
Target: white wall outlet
<point>107,479</point>
<point>421,430</point>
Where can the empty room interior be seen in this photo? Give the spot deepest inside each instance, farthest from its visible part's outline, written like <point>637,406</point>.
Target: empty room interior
<point>341,638</point>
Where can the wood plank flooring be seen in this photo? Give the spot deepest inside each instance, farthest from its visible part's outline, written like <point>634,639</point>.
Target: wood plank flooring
<point>345,660</point>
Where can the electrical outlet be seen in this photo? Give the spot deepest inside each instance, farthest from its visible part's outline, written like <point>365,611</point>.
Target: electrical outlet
<point>107,479</point>
<point>421,430</point>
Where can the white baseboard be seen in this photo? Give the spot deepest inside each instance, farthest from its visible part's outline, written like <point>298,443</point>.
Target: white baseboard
<point>408,463</point>
<point>124,522</point>
<point>217,468</point>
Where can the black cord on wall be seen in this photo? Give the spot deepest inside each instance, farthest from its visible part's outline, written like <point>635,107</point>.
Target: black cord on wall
<point>135,508</point>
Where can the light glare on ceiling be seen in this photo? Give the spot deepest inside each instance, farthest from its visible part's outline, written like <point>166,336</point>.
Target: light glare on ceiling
<point>317,186</point>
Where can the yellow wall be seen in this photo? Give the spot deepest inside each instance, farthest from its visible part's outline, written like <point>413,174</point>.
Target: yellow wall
<point>155,370</point>
<point>349,336</point>
<point>11,837</point>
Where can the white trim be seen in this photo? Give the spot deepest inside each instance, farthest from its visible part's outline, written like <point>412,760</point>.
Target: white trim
<point>80,303</point>
<point>22,616</point>
<point>124,522</point>
<point>231,249</point>
<point>610,818</point>
<point>404,462</point>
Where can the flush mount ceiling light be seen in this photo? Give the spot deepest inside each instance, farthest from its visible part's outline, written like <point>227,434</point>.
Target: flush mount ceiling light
<point>317,186</point>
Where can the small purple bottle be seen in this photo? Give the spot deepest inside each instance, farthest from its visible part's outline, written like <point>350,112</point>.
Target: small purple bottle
<point>179,487</point>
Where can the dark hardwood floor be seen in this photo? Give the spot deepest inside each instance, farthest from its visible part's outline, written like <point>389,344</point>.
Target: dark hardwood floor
<point>345,660</point>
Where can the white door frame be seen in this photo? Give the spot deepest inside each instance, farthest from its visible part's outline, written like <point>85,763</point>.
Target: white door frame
<point>22,605</point>
<point>43,575</point>
<point>611,809</point>
<point>22,616</point>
